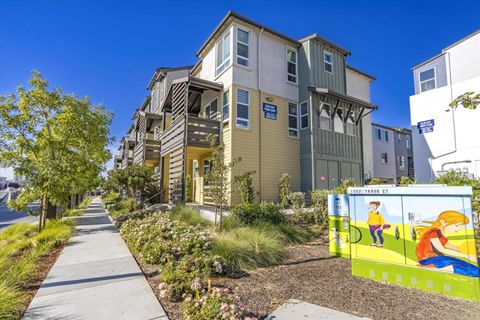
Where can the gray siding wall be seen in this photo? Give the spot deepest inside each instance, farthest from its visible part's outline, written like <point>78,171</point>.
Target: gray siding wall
<point>311,69</point>
<point>402,150</point>
<point>440,66</point>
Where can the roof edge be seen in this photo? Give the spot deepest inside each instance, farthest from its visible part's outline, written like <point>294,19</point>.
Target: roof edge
<point>315,36</point>
<point>233,14</point>
<point>361,72</point>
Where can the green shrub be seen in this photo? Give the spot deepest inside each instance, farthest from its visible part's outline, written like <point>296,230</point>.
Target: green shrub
<point>245,185</point>
<point>319,215</point>
<point>231,221</point>
<point>346,183</point>
<point>297,199</point>
<point>218,303</point>
<point>249,214</point>
<point>188,215</point>
<point>405,181</point>
<point>178,276</point>
<point>158,239</point>
<point>122,207</point>
<point>284,190</point>
<point>85,203</point>
<point>248,248</point>
<point>375,181</point>
<point>11,302</point>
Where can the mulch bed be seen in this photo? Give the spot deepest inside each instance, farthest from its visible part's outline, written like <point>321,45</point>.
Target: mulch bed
<point>43,266</point>
<point>309,274</point>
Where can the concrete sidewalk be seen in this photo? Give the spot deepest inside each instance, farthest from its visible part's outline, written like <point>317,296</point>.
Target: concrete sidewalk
<point>95,277</point>
<point>298,310</point>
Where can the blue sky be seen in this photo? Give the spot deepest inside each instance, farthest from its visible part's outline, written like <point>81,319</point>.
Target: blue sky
<point>108,50</point>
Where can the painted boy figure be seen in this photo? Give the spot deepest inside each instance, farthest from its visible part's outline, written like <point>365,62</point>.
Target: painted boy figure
<point>376,223</point>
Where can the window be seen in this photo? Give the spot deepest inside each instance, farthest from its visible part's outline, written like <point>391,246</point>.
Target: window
<point>427,80</point>
<point>401,162</point>
<point>211,110</point>
<point>327,62</point>
<point>384,158</point>
<point>325,122</point>
<point>350,127</point>
<point>206,167</point>
<point>223,53</point>
<point>225,106</point>
<point>243,40</point>
<point>292,119</point>
<point>243,100</point>
<point>407,141</point>
<point>291,65</point>
<point>381,134</point>
<point>399,137</point>
<point>304,115</point>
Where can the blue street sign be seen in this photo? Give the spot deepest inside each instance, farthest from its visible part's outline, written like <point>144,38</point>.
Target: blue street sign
<point>425,130</point>
<point>426,124</point>
<point>270,111</point>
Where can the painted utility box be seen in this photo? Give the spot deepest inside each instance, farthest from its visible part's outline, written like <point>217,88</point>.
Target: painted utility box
<point>418,236</point>
<point>339,225</point>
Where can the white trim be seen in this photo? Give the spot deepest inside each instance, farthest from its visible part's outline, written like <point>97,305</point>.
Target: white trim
<point>236,113</point>
<point>297,130</point>
<point>296,65</point>
<point>247,44</point>
<point>434,79</point>
<point>326,62</point>
<point>227,120</point>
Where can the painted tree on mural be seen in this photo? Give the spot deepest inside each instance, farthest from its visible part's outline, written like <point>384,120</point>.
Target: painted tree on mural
<point>57,141</point>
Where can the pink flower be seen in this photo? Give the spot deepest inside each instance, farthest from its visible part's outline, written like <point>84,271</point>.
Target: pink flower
<point>163,293</point>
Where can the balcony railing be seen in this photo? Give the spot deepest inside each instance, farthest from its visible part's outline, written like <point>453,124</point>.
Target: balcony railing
<point>145,150</point>
<point>197,131</point>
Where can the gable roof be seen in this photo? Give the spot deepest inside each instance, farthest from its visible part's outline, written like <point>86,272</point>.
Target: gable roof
<point>329,43</point>
<point>230,15</point>
<point>162,71</point>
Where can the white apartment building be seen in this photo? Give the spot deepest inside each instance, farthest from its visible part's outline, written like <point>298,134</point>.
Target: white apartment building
<point>446,139</point>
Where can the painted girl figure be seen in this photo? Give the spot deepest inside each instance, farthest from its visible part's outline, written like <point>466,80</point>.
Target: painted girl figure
<point>376,224</point>
<point>434,250</point>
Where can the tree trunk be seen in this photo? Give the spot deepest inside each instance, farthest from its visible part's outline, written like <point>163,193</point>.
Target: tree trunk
<point>43,213</point>
<point>221,217</point>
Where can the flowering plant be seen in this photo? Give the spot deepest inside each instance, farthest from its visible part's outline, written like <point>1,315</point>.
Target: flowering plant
<point>216,303</point>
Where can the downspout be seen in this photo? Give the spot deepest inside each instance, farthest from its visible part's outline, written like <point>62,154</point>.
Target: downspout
<point>310,98</point>
<point>259,116</point>
<point>432,174</point>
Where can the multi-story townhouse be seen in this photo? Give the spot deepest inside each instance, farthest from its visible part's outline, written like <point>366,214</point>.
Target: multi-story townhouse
<point>392,153</point>
<point>282,105</point>
<point>443,138</point>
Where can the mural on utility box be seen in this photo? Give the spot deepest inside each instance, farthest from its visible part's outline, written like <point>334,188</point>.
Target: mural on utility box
<point>433,233</point>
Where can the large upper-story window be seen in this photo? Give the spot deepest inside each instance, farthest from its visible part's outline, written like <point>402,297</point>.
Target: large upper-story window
<point>223,53</point>
<point>327,62</point>
<point>325,118</point>
<point>407,141</point>
<point>291,65</point>
<point>243,44</point>
<point>427,80</point>
<point>243,102</point>
<point>292,119</point>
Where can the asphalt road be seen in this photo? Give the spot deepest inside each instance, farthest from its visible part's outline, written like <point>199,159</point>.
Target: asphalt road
<point>8,217</point>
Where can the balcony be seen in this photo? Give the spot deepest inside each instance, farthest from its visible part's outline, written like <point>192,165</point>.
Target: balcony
<point>197,131</point>
<point>146,150</point>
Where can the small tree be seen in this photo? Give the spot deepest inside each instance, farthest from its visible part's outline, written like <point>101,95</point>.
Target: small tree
<point>188,189</point>
<point>284,190</point>
<point>135,180</point>
<point>468,100</point>
<point>219,177</point>
<point>57,140</point>
<point>320,205</point>
<point>245,185</point>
